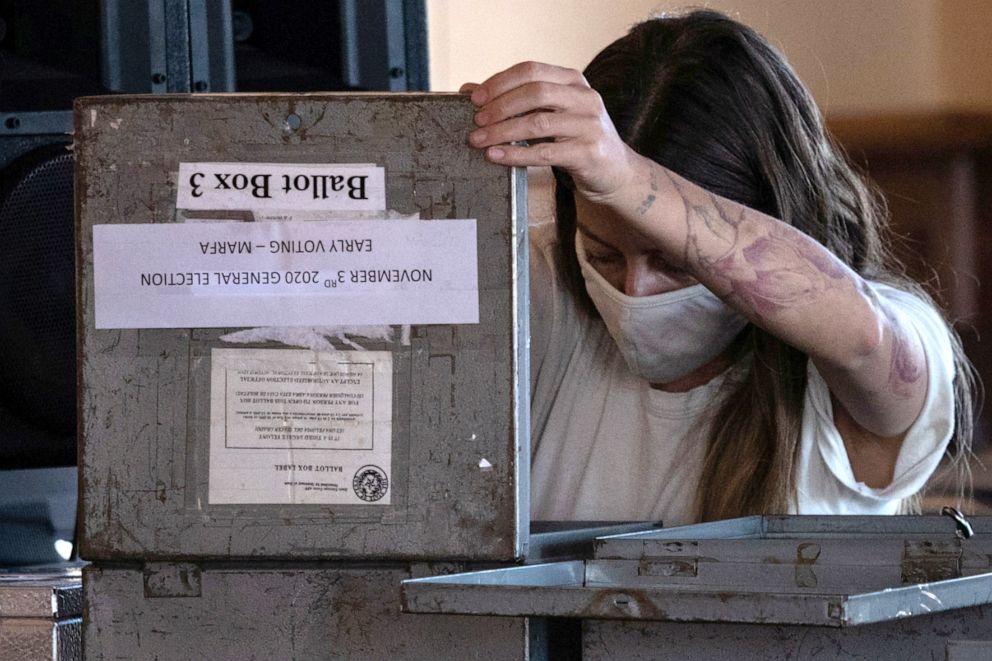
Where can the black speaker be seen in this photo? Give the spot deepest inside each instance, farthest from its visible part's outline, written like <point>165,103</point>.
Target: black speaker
<point>37,300</point>
<point>49,54</point>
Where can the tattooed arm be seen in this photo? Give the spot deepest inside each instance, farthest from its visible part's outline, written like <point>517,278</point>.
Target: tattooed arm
<point>781,279</point>
<point>793,287</point>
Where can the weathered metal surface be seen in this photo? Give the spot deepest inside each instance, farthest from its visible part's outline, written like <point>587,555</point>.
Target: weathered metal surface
<point>803,552</point>
<point>557,591</point>
<point>925,637</point>
<point>844,525</point>
<point>460,392</point>
<point>969,650</point>
<point>920,599</point>
<point>697,572</point>
<point>573,540</point>
<point>303,613</point>
<point>867,528</point>
<point>279,610</point>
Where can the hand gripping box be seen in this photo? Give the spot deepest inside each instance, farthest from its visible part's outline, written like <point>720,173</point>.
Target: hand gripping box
<point>302,330</point>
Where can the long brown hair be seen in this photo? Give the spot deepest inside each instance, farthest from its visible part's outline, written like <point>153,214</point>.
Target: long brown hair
<point>711,100</point>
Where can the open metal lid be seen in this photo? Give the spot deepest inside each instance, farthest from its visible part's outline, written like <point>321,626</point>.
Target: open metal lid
<point>810,570</point>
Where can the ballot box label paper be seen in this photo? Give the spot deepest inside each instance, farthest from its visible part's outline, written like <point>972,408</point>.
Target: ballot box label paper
<point>267,186</point>
<point>292,273</point>
<point>300,427</point>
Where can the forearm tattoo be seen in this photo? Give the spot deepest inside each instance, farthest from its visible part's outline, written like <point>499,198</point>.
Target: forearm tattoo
<point>767,270</point>
<point>650,197</point>
<point>771,268</point>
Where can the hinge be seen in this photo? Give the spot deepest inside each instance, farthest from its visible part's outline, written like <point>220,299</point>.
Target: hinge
<point>171,579</point>
<point>686,567</point>
<point>926,561</point>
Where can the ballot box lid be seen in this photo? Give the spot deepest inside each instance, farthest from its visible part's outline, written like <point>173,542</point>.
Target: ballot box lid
<point>421,451</point>
<point>806,570</point>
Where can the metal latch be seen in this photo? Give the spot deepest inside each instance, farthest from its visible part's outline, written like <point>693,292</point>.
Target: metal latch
<point>964,529</point>
<point>926,561</point>
<point>171,579</point>
<point>668,567</point>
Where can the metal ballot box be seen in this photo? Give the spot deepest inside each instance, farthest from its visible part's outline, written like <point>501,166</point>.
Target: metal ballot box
<point>40,614</point>
<point>316,610</point>
<point>830,587</point>
<point>302,330</point>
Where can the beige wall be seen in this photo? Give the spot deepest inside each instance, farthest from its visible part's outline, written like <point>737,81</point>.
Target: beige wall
<point>857,56</point>
<point>965,55</point>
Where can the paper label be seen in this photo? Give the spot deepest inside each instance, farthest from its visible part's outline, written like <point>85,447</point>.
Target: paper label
<point>265,186</point>
<point>300,427</point>
<point>293,273</point>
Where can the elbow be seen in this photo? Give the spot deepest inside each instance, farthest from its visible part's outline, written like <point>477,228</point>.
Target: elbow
<point>869,339</point>
<point>866,334</point>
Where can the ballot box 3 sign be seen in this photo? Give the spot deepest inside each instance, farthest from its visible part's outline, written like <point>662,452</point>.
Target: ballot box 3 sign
<point>266,186</point>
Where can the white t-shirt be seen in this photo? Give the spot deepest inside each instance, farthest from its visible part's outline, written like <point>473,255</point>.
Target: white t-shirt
<point>607,446</point>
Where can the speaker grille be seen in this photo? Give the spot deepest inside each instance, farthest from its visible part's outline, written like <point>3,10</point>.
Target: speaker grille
<point>37,294</point>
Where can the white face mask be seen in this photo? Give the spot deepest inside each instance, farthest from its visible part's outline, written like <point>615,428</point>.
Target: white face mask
<point>665,336</point>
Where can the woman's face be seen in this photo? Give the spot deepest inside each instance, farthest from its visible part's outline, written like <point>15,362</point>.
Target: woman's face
<point>627,260</point>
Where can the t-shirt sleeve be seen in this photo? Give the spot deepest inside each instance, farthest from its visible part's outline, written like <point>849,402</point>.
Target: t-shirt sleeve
<point>927,438</point>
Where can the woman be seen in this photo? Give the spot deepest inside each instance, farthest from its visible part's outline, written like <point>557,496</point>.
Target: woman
<point>717,330</point>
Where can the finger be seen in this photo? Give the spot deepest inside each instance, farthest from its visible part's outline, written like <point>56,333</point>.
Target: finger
<point>534,126</point>
<point>468,88</point>
<point>546,153</point>
<point>539,96</point>
<point>522,73</point>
